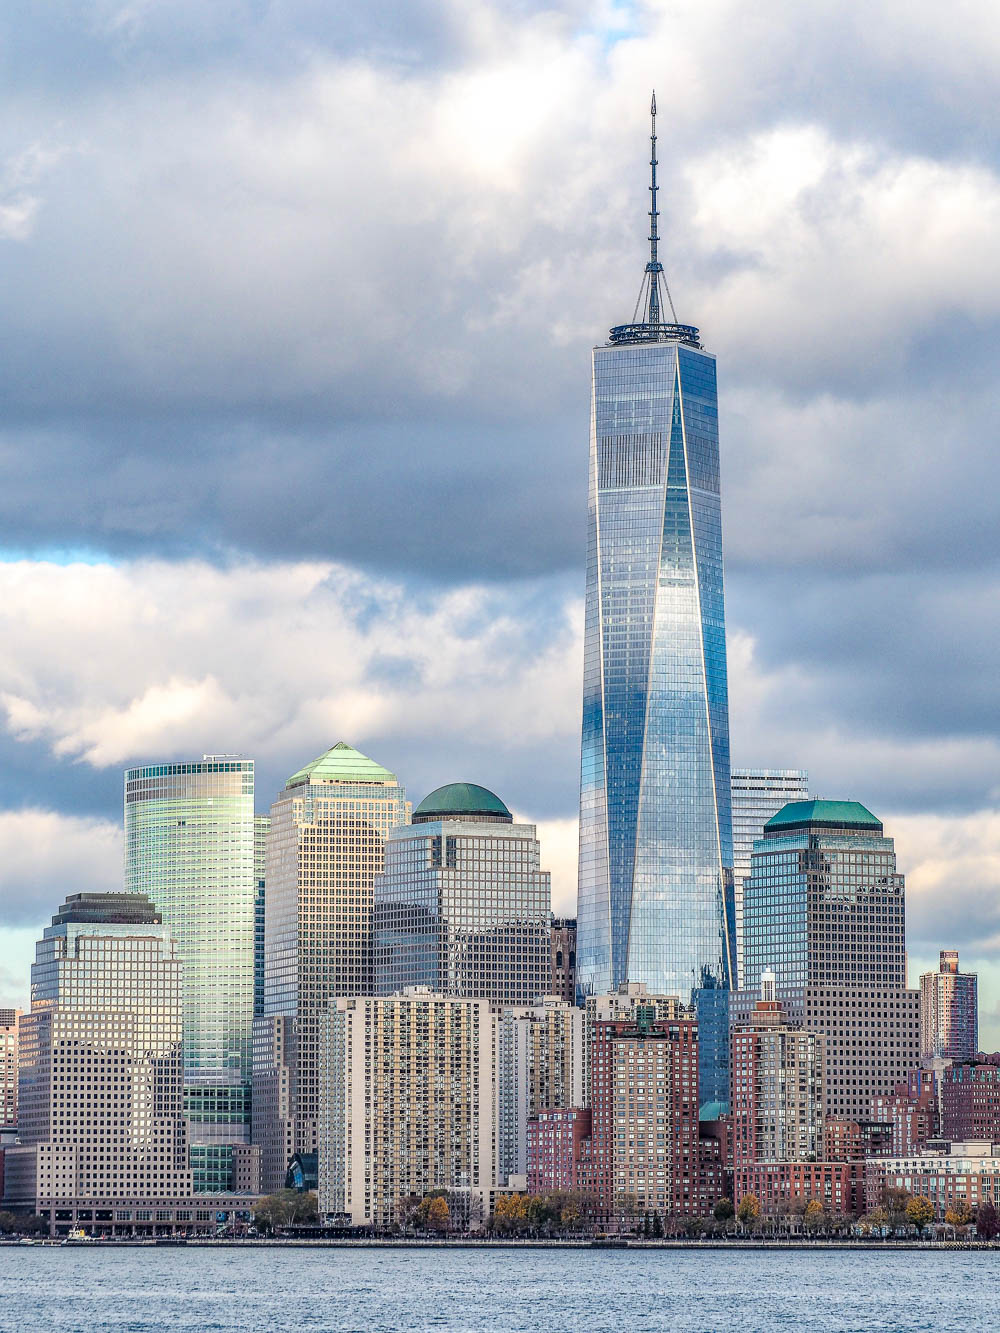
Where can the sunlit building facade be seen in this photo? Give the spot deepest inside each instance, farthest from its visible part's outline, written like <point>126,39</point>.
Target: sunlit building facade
<point>325,845</point>
<point>656,852</point>
<point>189,846</point>
<point>758,793</point>
<point>949,1012</point>
<point>463,905</point>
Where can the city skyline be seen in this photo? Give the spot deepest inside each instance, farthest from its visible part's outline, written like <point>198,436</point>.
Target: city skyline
<point>183,602</point>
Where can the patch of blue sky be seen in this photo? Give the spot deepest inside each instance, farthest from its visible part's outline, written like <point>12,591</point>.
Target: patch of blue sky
<point>55,555</point>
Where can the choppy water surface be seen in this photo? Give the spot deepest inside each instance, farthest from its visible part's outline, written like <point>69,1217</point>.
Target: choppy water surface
<point>545,1291</point>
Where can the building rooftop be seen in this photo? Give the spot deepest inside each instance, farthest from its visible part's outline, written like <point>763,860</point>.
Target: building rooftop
<point>107,909</point>
<point>845,815</point>
<point>462,800</point>
<point>342,763</point>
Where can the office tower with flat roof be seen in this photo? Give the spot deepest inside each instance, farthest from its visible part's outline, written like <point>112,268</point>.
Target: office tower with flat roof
<point>539,1065</point>
<point>406,1105</point>
<point>189,846</point>
<point>949,1012</point>
<point>824,908</point>
<point>325,847</point>
<point>101,1097</point>
<point>655,898</point>
<point>463,905</point>
<point>758,793</point>
<point>10,1024</point>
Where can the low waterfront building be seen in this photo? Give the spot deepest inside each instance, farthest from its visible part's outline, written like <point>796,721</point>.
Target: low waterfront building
<point>783,1187</point>
<point>968,1173</point>
<point>406,1103</point>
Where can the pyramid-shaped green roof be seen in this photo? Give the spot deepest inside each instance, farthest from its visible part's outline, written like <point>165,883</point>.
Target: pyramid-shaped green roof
<point>836,814</point>
<point>342,763</point>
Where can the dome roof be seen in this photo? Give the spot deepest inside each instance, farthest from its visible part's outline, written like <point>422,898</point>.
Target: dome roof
<point>462,800</point>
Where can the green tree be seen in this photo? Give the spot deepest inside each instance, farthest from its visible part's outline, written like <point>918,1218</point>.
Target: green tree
<point>919,1211</point>
<point>748,1211</point>
<point>657,1226</point>
<point>724,1212</point>
<point>987,1222</point>
<point>284,1209</point>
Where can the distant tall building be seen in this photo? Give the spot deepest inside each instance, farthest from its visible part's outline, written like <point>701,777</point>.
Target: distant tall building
<point>778,1096</point>
<point>463,906</point>
<point>949,1012</point>
<point>539,1065</point>
<point>406,1104</point>
<point>261,824</point>
<point>10,1022</point>
<point>325,846</point>
<point>102,1077</point>
<point>563,954</point>
<point>655,900</point>
<point>970,1099</point>
<point>758,793</point>
<point>824,908</point>
<point>189,846</point>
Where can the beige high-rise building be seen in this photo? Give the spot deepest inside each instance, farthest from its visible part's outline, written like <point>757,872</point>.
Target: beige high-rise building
<point>406,1103</point>
<point>9,1028</point>
<point>539,1067</point>
<point>325,846</point>
<point>621,1005</point>
<point>101,1090</point>
<point>778,1087</point>
<point>949,1011</point>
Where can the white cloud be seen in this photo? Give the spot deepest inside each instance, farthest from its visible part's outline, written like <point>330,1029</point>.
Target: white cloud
<point>45,855</point>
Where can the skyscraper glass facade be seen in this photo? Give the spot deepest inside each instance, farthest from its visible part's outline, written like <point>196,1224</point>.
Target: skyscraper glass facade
<point>655,887</point>
<point>189,846</point>
<point>758,793</point>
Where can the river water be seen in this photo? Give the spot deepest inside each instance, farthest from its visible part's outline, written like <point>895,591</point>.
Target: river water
<point>279,1290</point>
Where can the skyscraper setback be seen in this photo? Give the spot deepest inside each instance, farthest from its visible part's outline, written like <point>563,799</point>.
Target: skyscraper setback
<point>656,855</point>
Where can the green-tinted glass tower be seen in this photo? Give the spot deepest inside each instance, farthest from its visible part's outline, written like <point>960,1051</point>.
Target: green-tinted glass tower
<point>189,846</point>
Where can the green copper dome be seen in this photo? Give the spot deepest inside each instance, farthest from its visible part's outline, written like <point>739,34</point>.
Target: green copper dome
<point>342,763</point>
<point>462,800</point>
<point>829,814</point>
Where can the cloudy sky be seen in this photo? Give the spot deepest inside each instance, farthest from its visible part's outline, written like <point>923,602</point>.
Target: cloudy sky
<point>298,300</point>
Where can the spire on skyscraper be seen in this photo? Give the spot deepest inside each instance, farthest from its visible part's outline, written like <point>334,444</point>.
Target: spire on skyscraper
<point>652,328</point>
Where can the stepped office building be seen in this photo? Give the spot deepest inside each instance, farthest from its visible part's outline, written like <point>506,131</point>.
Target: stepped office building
<point>655,881</point>
<point>189,846</point>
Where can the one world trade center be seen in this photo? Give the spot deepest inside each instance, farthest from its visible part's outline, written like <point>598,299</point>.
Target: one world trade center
<point>656,854</point>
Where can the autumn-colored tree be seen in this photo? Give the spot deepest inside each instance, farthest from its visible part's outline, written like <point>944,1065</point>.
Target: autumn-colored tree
<point>437,1214</point>
<point>510,1213</point>
<point>919,1211</point>
<point>959,1215</point>
<point>894,1201</point>
<point>814,1215</point>
<point>987,1222</point>
<point>748,1210</point>
<point>286,1208</point>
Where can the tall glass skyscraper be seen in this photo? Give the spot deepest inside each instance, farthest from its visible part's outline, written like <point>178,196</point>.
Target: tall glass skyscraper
<point>189,846</point>
<point>656,846</point>
<point>758,793</point>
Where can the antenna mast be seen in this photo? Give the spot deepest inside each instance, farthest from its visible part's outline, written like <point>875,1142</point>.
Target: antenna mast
<point>654,268</point>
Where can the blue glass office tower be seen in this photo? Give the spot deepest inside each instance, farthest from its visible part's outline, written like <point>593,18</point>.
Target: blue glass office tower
<point>656,846</point>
